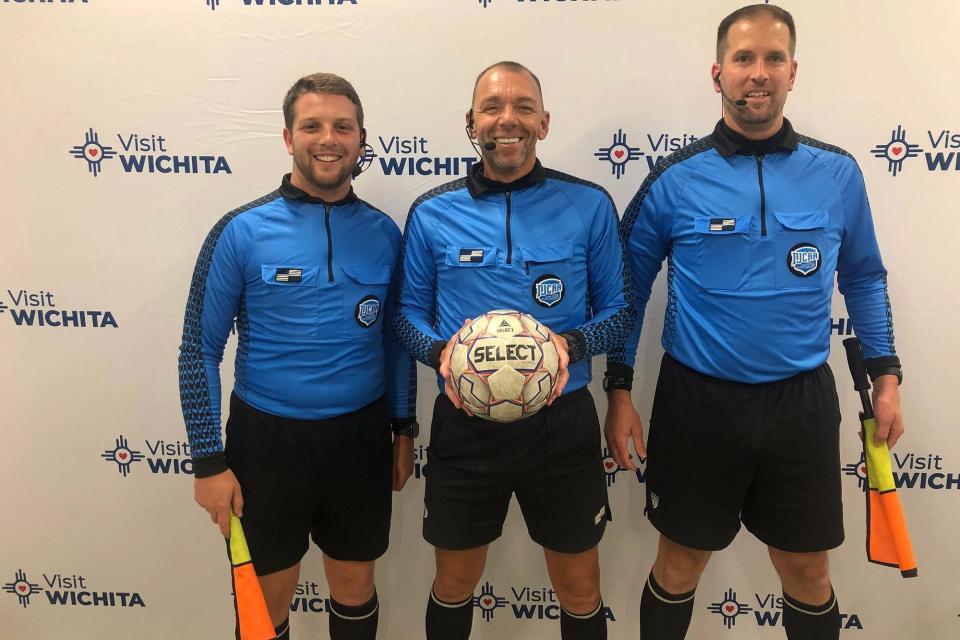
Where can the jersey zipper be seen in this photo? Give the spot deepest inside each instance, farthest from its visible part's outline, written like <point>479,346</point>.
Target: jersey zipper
<point>509,240</point>
<point>763,198</point>
<point>326,217</point>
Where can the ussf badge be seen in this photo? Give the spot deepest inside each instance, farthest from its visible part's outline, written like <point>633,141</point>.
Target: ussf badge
<point>367,311</point>
<point>548,290</point>
<point>803,260</point>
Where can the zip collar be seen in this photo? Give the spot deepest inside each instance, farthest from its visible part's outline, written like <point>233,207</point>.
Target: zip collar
<point>288,190</point>
<point>478,184</point>
<point>728,142</point>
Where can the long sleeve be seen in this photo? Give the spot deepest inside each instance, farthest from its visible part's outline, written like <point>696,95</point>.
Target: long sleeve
<point>414,323</point>
<point>645,234</point>
<point>610,290</point>
<point>401,368</point>
<point>214,301</point>
<point>861,276</point>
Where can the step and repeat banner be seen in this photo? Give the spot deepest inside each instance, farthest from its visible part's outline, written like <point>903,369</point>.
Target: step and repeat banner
<point>130,127</point>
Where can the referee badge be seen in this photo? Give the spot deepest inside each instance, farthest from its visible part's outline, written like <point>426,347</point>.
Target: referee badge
<point>803,260</point>
<point>288,274</point>
<point>548,290</point>
<point>471,255</point>
<point>367,311</point>
<point>722,224</point>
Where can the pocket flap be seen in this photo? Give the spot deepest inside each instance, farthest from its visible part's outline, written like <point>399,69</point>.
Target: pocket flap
<point>802,220</point>
<point>721,226</point>
<point>471,256</point>
<point>548,252</point>
<point>368,273</point>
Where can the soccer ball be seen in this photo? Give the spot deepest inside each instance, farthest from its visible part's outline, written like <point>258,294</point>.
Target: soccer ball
<point>504,366</point>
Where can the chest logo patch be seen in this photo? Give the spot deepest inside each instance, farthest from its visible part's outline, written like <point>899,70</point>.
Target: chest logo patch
<point>367,311</point>
<point>548,290</point>
<point>288,274</point>
<point>803,260</point>
<point>723,224</point>
<point>471,255</point>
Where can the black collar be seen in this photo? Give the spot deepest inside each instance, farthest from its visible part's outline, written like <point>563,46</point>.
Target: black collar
<point>288,190</point>
<point>729,142</point>
<point>478,184</point>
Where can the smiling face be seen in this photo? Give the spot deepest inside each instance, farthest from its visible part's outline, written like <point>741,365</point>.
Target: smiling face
<point>757,66</point>
<point>508,110</point>
<point>324,140</point>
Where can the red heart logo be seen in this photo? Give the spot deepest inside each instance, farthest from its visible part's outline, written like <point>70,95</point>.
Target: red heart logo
<point>897,150</point>
<point>609,464</point>
<point>618,153</point>
<point>863,469</point>
<point>93,152</point>
<point>729,608</point>
<point>122,455</point>
<point>22,588</point>
<point>488,601</point>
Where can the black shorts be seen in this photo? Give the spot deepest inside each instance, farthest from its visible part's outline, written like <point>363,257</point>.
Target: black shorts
<point>328,479</point>
<point>551,460</point>
<point>767,454</point>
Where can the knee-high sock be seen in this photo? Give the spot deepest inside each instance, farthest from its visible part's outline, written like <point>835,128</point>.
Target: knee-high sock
<point>664,615</point>
<point>354,623</point>
<point>449,620</point>
<point>804,621</point>
<point>590,626</point>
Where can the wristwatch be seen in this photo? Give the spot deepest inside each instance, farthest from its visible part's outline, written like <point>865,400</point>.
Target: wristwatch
<point>409,428</point>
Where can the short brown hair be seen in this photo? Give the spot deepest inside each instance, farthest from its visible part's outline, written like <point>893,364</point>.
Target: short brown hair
<point>751,12</point>
<point>320,83</point>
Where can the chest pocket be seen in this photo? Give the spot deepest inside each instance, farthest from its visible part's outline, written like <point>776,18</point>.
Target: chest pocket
<point>471,270</point>
<point>723,251</point>
<point>549,270</point>
<point>364,299</point>
<point>801,249</point>
<point>289,300</point>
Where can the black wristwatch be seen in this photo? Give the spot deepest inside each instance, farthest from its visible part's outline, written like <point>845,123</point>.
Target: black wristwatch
<point>408,428</point>
<point>884,371</point>
<point>617,382</point>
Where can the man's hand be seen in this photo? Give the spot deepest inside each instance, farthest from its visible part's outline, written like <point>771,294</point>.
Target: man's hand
<point>886,409</point>
<point>402,461</point>
<point>218,495</point>
<point>448,387</point>
<point>563,362</point>
<point>622,424</point>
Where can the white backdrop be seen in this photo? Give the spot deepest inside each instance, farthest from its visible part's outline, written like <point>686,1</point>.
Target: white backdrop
<point>89,551</point>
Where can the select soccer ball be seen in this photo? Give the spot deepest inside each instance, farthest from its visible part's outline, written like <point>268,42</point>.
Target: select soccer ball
<point>504,365</point>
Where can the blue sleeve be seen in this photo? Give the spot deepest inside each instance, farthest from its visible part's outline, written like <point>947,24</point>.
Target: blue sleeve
<point>645,232</point>
<point>212,305</point>
<point>401,369</point>
<point>861,276</point>
<point>418,292</point>
<point>610,293</point>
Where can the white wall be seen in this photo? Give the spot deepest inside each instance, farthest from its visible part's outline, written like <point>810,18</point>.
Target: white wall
<point>210,82</point>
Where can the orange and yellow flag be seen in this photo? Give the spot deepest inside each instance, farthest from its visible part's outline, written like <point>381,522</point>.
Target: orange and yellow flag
<point>253,618</point>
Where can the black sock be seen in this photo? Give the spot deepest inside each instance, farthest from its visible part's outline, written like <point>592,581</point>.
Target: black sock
<point>283,630</point>
<point>354,623</point>
<point>590,626</point>
<point>664,615</point>
<point>449,620</point>
<point>804,621</point>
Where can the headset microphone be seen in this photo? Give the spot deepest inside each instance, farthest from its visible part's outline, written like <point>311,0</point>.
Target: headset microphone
<point>740,103</point>
<point>359,167</point>
<point>487,146</point>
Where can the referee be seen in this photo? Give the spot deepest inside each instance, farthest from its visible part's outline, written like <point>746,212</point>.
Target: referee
<point>754,220</point>
<point>520,224</point>
<point>302,274</point>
